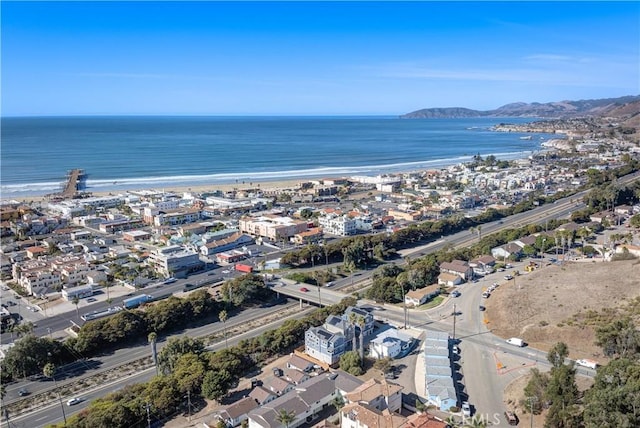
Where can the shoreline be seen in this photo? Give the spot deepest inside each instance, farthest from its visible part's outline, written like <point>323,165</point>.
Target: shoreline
<point>245,181</point>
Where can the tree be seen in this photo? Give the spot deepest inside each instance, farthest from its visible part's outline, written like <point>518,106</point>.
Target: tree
<point>285,417</point>
<point>557,354</point>
<point>562,392</point>
<point>75,300</point>
<point>152,337</point>
<point>189,372</point>
<point>535,391</point>
<point>619,338</point>
<point>350,362</point>
<point>223,318</point>
<point>614,399</point>
<point>175,348</point>
<point>338,403</point>
<point>216,383</point>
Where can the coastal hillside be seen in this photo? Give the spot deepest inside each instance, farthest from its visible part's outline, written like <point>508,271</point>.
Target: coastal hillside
<point>610,107</point>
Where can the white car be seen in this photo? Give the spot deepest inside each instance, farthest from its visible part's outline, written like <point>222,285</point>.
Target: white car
<point>466,409</point>
<point>73,401</point>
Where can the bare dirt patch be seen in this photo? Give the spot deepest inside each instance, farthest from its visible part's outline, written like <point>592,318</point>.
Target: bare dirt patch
<point>538,306</point>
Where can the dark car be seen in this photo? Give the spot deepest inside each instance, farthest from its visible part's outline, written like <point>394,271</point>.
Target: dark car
<point>23,392</point>
<point>482,308</point>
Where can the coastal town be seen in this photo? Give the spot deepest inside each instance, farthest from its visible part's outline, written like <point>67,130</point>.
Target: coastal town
<point>73,259</point>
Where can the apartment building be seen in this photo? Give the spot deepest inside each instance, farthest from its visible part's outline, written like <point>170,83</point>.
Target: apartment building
<point>274,228</point>
<point>174,261</point>
<point>337,224</point>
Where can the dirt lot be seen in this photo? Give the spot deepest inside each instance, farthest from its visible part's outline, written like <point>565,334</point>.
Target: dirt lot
<point>538,306</point>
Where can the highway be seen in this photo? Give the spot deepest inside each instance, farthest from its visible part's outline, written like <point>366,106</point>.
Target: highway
<point>122,356</point>
<point>51,413</point>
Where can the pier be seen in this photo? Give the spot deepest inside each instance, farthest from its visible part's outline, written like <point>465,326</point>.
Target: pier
<point>74,183</point>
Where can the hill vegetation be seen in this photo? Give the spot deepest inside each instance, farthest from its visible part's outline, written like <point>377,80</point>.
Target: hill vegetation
<point>610,107</point>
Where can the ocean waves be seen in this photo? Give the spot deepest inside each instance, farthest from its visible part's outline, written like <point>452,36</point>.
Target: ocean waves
<point>130,183</point>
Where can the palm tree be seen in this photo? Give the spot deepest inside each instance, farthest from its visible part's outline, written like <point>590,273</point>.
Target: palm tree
<point>360,321</point>
<point>49,370</point>
<point>338,403</point>
<point>75,301</point>
<point>285,417</point>
<point>153,336</point>
<point>223,318</point>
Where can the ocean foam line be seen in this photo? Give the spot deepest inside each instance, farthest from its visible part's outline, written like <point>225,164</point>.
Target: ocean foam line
<point>34,189</point>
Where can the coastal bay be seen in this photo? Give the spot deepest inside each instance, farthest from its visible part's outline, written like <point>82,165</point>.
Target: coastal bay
<point>126,153</point>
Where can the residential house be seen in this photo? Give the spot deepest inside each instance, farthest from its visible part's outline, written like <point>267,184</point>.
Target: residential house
<point>389,343</point>
<point>380,394</point>
<point>458,267</point>
<point>299,363</point>
<point>295,377</point>
<point>305,402</point>
<point>449,279</point>
<point>439,387</point>
<point>424,420</point>
<point>324,345</point>
<point>262,395</point>
<point>421,296</point>
<point>233,415</point>
<point>368,326</point>
<point>360,415</point>
<point>506,251</point>
<point>483,264</point>
<point>278,385</point>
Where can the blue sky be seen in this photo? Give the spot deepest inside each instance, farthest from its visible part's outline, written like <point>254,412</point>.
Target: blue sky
<point>311,58</point>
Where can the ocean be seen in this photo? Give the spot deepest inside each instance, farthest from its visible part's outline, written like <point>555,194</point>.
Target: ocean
<point>138,152</point>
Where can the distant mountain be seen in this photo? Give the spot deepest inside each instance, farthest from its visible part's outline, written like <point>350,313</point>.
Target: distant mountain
<point>556,110</point>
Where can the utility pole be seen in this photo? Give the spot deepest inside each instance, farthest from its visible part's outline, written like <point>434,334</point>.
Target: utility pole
<point>531,400</point>
<point>454,321</point>
<point>189,403</point>
<point>148,415</point>
<point>404,305</point>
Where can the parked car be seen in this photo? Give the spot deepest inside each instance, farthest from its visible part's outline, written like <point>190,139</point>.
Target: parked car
<point>482,308</point>
<point>466,408</point>
<point>508,277</point>
<point>91,299</point>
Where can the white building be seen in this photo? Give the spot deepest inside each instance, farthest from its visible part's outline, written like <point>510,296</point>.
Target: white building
<point>339,225</point>
<point>174,260</point>
<point>80,292</point>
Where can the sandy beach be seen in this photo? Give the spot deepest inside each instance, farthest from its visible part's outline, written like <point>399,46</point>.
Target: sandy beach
<point>261,185</point>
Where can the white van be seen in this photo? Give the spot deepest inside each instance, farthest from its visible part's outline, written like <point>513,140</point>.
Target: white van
<point>516,341</point>
<point>587,363</point>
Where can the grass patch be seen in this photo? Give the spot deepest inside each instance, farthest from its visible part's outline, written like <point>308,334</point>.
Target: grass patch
<point>436,301</point>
